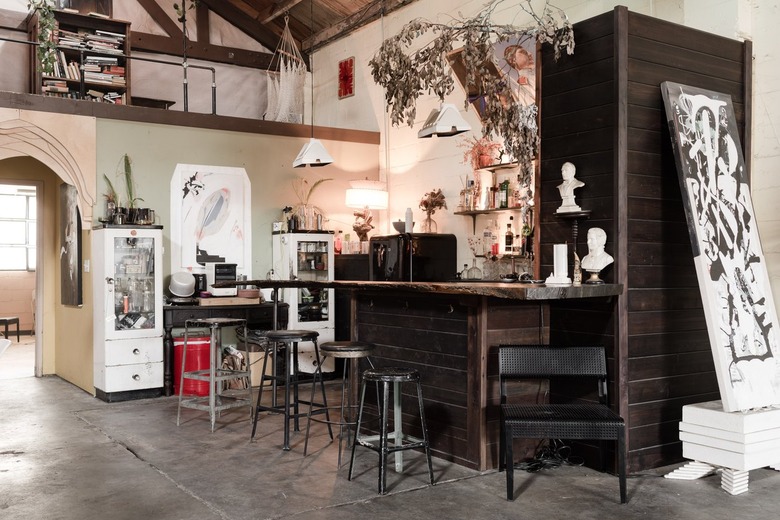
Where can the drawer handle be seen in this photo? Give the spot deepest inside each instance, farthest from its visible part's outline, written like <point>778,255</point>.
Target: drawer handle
<point>136,377</point>
<point>136,351</point>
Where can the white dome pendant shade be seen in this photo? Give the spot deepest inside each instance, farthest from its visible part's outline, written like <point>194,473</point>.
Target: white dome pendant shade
<point>312,154</point>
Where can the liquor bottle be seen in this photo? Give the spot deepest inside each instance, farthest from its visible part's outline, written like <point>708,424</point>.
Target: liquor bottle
<point>495,232</point>
<point>509,237</point>
<point>487,238</point>
<point>338,240</point>
<point>503,194</point>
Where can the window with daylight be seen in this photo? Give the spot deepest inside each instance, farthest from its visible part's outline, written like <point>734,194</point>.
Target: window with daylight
<point>17,227</point>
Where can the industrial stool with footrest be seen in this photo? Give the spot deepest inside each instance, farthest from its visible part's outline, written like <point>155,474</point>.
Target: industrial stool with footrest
<point>385,376</point>
<point>215,374</point>
<point>288,340</point>
<point>351,351</point>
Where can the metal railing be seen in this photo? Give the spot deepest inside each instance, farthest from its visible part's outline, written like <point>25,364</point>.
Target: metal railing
<point>184,65</point>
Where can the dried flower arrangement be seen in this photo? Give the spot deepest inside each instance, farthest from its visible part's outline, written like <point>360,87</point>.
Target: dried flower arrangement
<point>432,201</point>
<point>480,152</point>
<point>406,74</point>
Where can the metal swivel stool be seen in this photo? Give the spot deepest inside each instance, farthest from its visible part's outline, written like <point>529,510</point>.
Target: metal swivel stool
<point>385,376</point>
<point>351,351</point>
<point>215,374</point>
<point>288,340</point>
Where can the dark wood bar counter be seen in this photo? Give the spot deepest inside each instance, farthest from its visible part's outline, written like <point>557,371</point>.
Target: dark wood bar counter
<point>449,332</point>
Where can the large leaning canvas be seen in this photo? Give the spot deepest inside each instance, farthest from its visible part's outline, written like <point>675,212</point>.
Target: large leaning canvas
<point>730,267</point>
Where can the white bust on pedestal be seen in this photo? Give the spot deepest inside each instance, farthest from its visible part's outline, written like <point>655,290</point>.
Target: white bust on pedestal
<point>596,259</point>
<point>567,187</point>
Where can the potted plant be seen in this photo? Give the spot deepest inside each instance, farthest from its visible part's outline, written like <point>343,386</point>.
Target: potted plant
<point>429,203</point>
<point>132,200</point>
<point>480,152</point>
<point>307,213</point>
<point>112,200</point>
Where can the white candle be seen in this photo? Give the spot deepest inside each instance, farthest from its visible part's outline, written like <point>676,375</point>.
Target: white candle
<point>561,268</point>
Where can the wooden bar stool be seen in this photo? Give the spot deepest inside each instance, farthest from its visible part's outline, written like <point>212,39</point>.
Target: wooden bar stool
<point>352,351</point>
<point>288,340</point>
<point>385,376</point>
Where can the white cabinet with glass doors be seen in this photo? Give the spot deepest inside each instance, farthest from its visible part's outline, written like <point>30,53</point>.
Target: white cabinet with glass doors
<point>307,256</point>
<point>128,324</point>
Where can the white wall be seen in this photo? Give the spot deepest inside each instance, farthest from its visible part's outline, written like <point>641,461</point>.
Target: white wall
<point>413,166</point>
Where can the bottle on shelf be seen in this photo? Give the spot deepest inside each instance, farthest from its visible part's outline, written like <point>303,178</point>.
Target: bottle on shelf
<point>487,239</point>
<point>495,232</point>
<point>408,221</point>
<point>503,194</point>
<point>338,240</point>
<point>509,237</point>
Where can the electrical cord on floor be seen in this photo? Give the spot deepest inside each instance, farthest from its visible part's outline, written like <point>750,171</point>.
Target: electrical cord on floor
<point>551,456</point>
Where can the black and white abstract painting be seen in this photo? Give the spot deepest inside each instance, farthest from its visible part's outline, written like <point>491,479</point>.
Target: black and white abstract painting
<point>735,290</point>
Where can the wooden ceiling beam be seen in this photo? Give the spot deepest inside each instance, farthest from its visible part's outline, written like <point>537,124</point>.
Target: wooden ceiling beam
<point>154,43</point>
<point>171,27</point>
<point>248,26</point>
<point>280,9</point>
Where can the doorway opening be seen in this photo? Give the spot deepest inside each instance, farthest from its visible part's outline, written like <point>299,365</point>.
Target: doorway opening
<point>18,277</point>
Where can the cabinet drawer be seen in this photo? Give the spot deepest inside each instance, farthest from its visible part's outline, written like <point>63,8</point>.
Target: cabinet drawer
<point>228,313</point>
<point>178,317</point>
<point>133,377</point>
<point>133,351</point>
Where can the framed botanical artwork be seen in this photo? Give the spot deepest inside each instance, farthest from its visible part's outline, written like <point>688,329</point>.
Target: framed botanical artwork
<point>736,296</point>
<point>347,77</point>
<point>210,218</point>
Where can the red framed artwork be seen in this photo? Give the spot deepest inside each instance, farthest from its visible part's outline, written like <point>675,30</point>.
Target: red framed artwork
<point>347,77</point>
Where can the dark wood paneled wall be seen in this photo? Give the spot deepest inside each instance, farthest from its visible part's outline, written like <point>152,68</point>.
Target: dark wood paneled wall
<point>602,109</point>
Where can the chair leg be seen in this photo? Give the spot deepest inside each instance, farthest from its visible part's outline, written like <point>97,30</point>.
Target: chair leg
<point>357,429</point>
<point>425,432</point>
<point>383,413</point>
<point>621,446</point>
<point>501,445</point>
<point>181,376</point>
<point>262,385</point>
<point>322,388</point>
<point>317,370</point>
<point>509,462</point>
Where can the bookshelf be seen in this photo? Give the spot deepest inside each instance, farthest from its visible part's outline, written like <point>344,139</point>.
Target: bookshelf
<point>98,47</point>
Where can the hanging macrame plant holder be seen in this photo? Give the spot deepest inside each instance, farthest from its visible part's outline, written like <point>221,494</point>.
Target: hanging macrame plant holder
<point>285,86</point>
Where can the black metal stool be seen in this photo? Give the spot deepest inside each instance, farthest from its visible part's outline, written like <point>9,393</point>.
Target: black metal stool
<point>347,350</point>
<point>385,376</point>
<point>216,401</point>
<point>289,339</point>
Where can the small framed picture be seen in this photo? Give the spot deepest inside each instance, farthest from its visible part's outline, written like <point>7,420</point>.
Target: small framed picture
<point>347,77</point>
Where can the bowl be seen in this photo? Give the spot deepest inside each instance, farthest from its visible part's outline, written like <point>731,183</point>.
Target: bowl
<point>182,284</point>
<point>400,226</point>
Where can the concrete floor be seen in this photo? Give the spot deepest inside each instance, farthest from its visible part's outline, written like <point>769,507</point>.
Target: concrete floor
<point>67,455</point>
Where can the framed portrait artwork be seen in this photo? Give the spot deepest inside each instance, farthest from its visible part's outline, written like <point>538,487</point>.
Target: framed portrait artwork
<point>736,296</point>
<point>210,218</point>
<point>70,247</point>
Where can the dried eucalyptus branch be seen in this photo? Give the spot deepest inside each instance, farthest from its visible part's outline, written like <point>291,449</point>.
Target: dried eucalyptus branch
<point>406,75</point>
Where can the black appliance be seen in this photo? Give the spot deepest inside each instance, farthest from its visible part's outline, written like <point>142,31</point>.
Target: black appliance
<point>413,257</point>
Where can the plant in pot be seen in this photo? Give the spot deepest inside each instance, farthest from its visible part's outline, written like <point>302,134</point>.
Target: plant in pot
<point>47,27</point>
<point>480,152</point>
<point>305,211</point>
<point>112,200</point>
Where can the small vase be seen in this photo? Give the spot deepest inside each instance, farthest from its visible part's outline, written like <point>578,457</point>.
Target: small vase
<point>428,225</point>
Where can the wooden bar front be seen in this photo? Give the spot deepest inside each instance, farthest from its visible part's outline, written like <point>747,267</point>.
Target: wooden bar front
<point>449,332</point>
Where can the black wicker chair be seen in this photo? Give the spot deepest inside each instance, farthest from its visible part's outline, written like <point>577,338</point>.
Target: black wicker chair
<point>557,421</point>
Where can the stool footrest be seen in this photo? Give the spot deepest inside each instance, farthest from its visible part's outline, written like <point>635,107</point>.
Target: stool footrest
<point>221,374</point>
<point>202,403</point>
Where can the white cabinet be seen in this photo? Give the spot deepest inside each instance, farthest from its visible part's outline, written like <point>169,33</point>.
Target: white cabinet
<point>307,256</point>
<point>128,320</point>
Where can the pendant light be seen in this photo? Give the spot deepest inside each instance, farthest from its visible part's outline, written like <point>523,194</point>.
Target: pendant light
<point>444,122</point>
<point>313,153</point>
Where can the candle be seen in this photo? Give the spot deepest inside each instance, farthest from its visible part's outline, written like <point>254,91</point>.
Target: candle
<point>561,268</point>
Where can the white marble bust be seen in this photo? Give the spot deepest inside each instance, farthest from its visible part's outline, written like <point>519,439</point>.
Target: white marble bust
<point>567,187</point>
<point>596,259</point>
